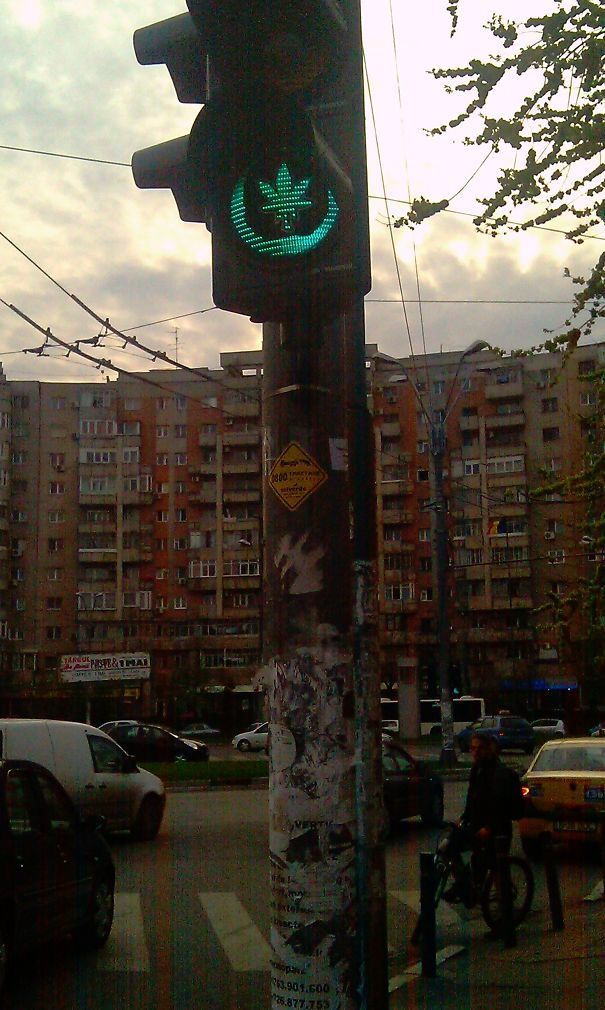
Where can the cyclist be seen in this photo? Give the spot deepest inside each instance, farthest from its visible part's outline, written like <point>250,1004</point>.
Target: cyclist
<point>487,815</point>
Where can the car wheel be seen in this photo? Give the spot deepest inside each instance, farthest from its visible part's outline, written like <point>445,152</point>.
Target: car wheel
<point>243,745</point>
<point>97,926</point>
<point>432,815</point>
<point>148,821</point>
<point>532,848</point>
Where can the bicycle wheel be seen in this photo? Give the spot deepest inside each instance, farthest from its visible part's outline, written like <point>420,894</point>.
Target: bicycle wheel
<point>522,887</point>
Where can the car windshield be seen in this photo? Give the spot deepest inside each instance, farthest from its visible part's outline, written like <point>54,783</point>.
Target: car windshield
<point>572,759</point>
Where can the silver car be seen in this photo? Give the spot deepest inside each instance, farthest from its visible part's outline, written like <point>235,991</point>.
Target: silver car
<point>548,729</point>
<point>255,739</point>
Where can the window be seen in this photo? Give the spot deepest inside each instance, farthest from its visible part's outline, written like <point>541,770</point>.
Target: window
<point>426,595</point>
<point>97,485</point>
<point>180,402</point>
<point>56,487</point>
<point>550,434</point>
<point>422,475</point>
<point>235,567</point>
<point>467,528</point>
<point>53,633</point>
<point>57,460</point>
<point>19,457</point>
<point>180,459</point>
<point>179,603</point>
<point>397,562</point>
<point>161,430</point>
<point>404,591</point>
<point>130,403</point>
<point>53,575</point>
<point>161,544</point>
<point>586,367</point>
<point>162,516</point>
<point>422,446</point>
<point>555,525</point>
<point>56,516</point>
<point>589,398</point>
<point>506,464</point>
<point>180,543</point>
<point>425,564</point>
<point>55,544</point>
<point>550,405</point>
<point>439,386</point>
<point>21,806</point>
<point>106,756</point>
<point>131,454</point>
<point>54,602</point>
<point>18,516</point>
<point>180,431</point>
<point>393,533</point>
<point>424,535</point>
<point>472,466</point>
<point>205,569</point>
<point>181,515</point>
<point>556,557</point>
<point>161,459</point>
<point>21,401</point>
<point>180,487</point>
<point>90,426</point>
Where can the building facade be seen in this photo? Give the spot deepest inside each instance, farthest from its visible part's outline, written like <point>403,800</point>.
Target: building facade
<point>131,519</point>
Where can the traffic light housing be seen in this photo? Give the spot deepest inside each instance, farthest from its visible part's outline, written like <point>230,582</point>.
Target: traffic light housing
<point>275,162</point>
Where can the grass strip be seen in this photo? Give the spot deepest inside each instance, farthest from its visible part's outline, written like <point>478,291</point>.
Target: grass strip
<point>209,771</point>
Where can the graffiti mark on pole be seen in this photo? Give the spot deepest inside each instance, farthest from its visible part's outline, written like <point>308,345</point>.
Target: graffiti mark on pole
<point>295,475</point>
<point>292,558</point>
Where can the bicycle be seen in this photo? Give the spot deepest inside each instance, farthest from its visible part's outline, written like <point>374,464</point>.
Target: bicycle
<point>482,885</point>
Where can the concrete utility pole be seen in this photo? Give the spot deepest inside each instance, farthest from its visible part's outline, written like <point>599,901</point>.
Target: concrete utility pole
<point>441,562</point>
<point>327,866</point>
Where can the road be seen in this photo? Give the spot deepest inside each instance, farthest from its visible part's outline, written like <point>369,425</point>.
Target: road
<point>192,918</point>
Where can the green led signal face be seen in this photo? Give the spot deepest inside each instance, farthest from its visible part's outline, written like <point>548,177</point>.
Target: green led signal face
<point>285,216</point>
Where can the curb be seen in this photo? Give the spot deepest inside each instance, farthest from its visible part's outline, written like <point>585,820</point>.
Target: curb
<point>208,786</point>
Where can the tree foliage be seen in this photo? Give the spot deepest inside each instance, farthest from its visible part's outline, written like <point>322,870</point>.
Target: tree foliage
<point>554,138</point>
<point>555,170</point>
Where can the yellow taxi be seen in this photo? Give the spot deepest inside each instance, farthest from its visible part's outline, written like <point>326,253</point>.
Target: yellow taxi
<point>564,790</point>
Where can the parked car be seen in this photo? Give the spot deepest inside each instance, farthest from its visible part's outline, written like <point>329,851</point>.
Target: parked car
<point>56,872</point>
<point>511,732</point>
<point>564,789</point>
<point>252,739</point>
<point>411,789</point>
<point>154,743</point>
<point>548,729</point>
<point>96,773</point>
<point>106,726</point>
<point>198,731</point>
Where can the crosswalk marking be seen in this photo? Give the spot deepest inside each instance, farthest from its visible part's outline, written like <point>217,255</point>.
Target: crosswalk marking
<point>242,942</point>
<point>414,970</point>
<point>126,949</point>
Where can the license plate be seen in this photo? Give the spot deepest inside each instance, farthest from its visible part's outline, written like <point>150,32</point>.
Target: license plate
<point>594,793</point>
<point>575,826</point>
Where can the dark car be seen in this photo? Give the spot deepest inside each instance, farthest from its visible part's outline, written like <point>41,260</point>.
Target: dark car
<point>511,731</point>
<point>154,743</point>
<point>198,731</point>
<point>56,872</point>
<point>411,789</point>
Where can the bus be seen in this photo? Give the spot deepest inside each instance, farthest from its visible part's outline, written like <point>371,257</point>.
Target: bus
<point>465,710</point>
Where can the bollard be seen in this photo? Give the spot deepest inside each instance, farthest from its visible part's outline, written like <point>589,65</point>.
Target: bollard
<point>505,893</point>
<point>428,929</point>
<point>552,882</point>
<point>602,823</point>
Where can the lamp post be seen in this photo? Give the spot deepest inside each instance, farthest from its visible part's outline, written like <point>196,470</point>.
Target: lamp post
<point>437,446</point>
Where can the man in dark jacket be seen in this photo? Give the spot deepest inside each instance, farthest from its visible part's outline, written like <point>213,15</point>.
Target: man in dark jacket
<point>486,816</point>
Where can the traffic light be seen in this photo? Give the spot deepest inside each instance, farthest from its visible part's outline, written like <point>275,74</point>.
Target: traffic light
<point>275,161</point>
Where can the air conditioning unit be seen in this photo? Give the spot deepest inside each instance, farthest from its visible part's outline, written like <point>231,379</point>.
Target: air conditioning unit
<point>549,535</point>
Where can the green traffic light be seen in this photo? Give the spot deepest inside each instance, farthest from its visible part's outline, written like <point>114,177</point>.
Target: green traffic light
<point>283,203</point>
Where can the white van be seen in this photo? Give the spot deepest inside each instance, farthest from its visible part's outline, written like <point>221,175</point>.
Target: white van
<point>100,777</point>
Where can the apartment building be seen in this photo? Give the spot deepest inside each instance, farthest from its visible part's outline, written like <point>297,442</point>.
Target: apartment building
<point>130,522</point>
<point>509,426</point>
<point>134,527</point>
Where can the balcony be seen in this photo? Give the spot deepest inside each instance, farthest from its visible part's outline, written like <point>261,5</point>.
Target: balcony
<point>516,448</point>
<point>249,466</point>
<point>398,606</point>
<point>395,487</point>
<point>469,423</point>
<point>241,496</point>
<point>97,554</point>
<point>243,438</point>
<point>396,516</point>
<point>207,439</point>
<point>512,602</point>
<point>513,420</point>
<point>503,390</point>
<point>206,493</point>
<point>389,429</point>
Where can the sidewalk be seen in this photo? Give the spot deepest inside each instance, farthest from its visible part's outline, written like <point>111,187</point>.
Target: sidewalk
<point>559,970</point>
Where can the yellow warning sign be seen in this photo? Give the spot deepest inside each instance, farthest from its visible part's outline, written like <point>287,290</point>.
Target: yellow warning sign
<point>295,475</point>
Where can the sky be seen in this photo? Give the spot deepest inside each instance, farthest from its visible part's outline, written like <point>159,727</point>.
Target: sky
<point>70,84</point>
